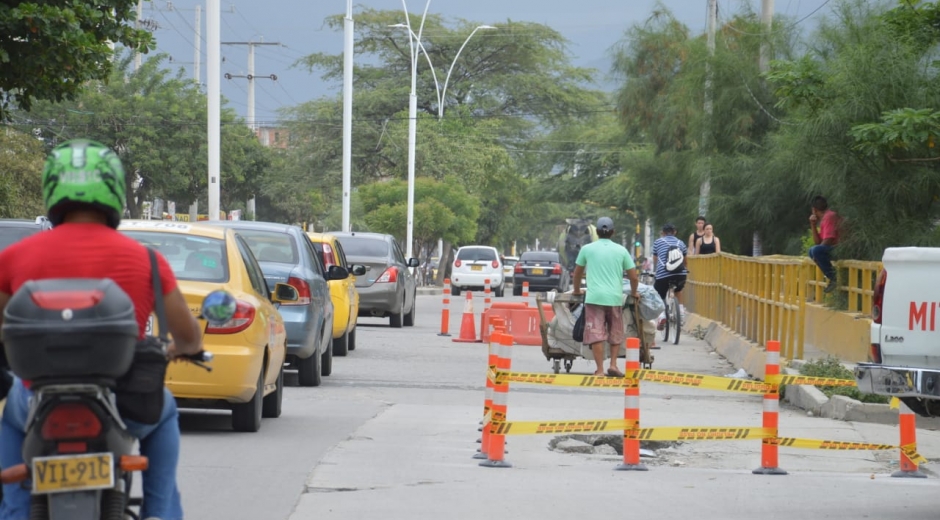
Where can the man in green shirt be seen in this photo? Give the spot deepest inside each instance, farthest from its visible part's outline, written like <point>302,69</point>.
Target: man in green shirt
<point>603,302</point>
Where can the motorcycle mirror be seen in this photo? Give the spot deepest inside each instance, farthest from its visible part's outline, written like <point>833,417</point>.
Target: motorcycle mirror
<point>218,307</point>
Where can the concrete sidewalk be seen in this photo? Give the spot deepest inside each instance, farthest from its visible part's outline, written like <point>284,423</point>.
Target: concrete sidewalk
<point>413,460</point>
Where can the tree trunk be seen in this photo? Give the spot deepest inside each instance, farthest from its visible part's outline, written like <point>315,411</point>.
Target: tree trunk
<point>444,263</point>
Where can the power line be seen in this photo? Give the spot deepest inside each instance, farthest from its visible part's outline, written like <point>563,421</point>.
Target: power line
<point>783,29</point>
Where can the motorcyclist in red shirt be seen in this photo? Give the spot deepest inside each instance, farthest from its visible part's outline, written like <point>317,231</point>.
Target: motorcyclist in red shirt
<point>84,192</point>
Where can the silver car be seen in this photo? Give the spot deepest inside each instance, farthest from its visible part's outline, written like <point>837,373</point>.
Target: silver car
<point>388,288</point>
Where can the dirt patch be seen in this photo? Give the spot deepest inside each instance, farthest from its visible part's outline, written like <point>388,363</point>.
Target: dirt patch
<point>581,443</point>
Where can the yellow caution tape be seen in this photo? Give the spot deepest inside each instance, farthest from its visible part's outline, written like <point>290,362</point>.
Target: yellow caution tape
<point>808,380</point>
<point>488,417</point>
<point>682,433</point>
<point>559,427</point>
<point>816,444</point>
<point>491,376</point>
<point>911,451</point>
<point>728,384</point>
<point>538,378</point>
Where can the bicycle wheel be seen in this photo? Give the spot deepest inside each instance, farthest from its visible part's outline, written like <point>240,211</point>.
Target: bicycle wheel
<point>665,330</point>
<point>677,321</point>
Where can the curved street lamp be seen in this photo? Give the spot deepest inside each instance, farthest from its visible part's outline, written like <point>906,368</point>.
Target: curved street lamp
<point>415,45</point>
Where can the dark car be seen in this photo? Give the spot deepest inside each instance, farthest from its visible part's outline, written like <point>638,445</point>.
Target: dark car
<point>286,256</point>
<point>543,271</point>
<point>388,288</point>
<point>14,230</point>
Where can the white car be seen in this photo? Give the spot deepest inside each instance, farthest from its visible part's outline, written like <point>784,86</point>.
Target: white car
<point>475,264</point>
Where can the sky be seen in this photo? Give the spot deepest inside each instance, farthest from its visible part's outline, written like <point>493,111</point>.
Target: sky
<point>591,26</point>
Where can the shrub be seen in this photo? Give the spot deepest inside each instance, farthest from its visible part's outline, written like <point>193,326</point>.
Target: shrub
<point>832,367</point>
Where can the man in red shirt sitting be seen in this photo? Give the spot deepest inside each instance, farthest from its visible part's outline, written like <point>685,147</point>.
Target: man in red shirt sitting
<point>826,237</point>
<point>83,186</point>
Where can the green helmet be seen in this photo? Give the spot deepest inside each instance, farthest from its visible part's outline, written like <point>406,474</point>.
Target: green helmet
<point>81,173</point>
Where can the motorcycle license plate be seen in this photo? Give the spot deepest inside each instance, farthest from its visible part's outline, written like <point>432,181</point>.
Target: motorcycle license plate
<point>538,271</point>
<point>476,267</point>
<point>72,472</point>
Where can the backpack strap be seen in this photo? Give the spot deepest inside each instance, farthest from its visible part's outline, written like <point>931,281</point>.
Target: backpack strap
<point>158,305</point>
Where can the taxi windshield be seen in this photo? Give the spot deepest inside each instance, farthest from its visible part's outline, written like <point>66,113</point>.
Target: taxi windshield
<point>191,257</point>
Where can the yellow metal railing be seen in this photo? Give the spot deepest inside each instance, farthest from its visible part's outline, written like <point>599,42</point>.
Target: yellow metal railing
<point>764,298</point>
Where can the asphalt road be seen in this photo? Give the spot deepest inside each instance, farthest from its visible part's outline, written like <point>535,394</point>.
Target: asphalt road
<point>390,434</point>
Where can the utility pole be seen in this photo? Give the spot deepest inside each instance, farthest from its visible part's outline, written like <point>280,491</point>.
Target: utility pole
<point>198,44</point>
<point>706,186</point>
<point>140,13</point>
<point>214,92</point>
<point>766,20</point>
<point>251,77</point>
<point>348,47</point>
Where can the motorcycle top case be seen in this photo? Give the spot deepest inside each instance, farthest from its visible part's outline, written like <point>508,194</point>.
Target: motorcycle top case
<point>75,327</point>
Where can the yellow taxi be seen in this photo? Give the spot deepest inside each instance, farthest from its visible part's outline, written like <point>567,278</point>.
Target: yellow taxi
<point>343,292</point>
<point>247,374</point>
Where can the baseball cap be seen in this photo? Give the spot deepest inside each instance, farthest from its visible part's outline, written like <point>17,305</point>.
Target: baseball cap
<point>605,223</point>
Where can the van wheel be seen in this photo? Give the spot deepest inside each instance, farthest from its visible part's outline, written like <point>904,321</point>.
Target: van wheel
<point>455,290</point>
<point>341,345</point>
<point>271,408</point>
<point>516,291</point>
<point>308,371</point>
<point>246,417</point>
<point>500,291</point>
<point>352,339</point>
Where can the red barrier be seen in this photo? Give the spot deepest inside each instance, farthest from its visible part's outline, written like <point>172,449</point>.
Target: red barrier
<point>445,311</point>
<point>522,321</point>
<point>768,457</point>
<point>907,425</point>
<point>631,411</point>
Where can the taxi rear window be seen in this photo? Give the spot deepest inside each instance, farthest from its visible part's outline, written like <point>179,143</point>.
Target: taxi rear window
<point>193,258</point>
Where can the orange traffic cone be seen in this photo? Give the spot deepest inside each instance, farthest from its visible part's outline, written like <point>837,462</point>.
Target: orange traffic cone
<point>468,330</point>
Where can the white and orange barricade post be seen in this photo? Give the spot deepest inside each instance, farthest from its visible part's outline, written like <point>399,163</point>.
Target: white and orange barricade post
<point>498,328</point>
<point>907,423</point>
<point>631,411</point>
<point>496,444</point>
<point>445,311</point>
<point>486,295</point>
<point>769,447</point>
<point>525,289</point>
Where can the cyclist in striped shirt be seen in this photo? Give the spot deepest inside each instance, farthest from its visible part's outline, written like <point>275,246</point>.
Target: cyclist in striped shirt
<point>669,273</point>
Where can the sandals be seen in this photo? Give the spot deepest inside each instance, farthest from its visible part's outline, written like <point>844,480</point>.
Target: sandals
<point>613,372</point>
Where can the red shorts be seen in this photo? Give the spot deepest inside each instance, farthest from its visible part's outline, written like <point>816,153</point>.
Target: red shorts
<point>603,323</point>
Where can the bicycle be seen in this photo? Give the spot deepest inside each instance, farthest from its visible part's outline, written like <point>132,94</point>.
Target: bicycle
<point>673,319</point>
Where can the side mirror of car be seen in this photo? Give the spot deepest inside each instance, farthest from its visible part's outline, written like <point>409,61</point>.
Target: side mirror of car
<point>359,270</point>
<point>218,308</point>
<point>336,272</point>
<point>413,262</point>
<point>284,293</point>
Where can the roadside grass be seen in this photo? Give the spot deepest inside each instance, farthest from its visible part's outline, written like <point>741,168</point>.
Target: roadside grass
<point>832,367</point>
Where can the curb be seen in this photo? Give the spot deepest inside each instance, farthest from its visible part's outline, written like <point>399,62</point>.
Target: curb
<point>743,353</point>
<point>429,291</point>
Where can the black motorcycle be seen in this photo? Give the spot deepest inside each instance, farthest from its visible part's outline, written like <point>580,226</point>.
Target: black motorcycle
<point>74,339</point>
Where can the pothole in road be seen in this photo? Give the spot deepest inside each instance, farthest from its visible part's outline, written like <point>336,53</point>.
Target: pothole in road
<point>608,445</point>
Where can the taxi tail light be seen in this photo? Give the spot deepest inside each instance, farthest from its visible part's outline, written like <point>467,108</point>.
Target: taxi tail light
<point>517,269</point>
<point>303,291</point>
<point>556,269</point>
<point>241,320</point>
<point>69,421</point>
<point>495,264</point>
<point>329,258</point>
<point>390,275</point>
<point>878,297</point>
<point>457,263</point>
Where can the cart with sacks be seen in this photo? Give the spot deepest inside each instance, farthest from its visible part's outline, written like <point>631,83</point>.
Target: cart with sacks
<point>560,348</point>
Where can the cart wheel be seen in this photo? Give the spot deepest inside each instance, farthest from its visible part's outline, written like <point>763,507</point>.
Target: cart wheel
<point>568,365</point>
<point>556,365</point>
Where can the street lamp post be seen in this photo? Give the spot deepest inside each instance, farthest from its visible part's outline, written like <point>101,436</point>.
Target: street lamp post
<point>415,45</point>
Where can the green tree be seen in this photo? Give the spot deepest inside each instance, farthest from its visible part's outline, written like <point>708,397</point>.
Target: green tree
<point>50,50</point>
<point>155,121</point>
<point>21,163</point>
<point>443,210</point>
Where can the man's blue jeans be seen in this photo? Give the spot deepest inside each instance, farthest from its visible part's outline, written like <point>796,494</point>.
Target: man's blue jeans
<point>821,255</point>
<point>160,443</point>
